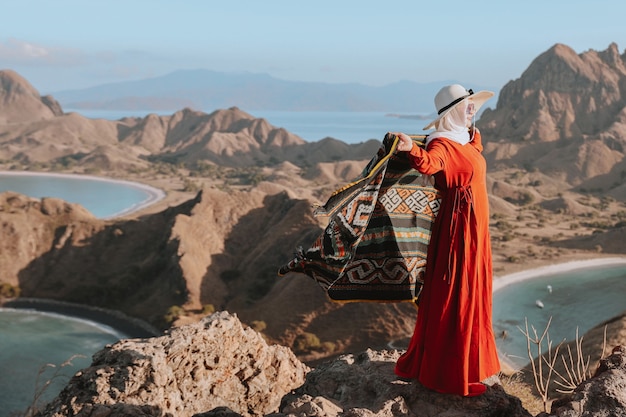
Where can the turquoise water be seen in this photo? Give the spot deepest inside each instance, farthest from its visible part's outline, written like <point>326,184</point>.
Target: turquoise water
<point>103,198</point>
<point>349,127</point>
<point>581,297</point>
<point>30,340</point>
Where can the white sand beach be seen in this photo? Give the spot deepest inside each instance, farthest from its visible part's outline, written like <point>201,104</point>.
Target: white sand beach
<point>514,278</point>
<point>501,282</point>
<point>154,194</point>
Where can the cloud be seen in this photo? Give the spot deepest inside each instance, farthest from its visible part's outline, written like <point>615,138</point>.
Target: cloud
<point>17,52</point>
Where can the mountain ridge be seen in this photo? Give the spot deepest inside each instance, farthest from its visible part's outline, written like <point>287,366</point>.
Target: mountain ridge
<point>209,90</point>
<point>572,125</point>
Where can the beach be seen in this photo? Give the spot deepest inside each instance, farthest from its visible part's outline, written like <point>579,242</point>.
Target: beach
<point>508,367</point>
<point>556,268</point>
<point>154,195</point>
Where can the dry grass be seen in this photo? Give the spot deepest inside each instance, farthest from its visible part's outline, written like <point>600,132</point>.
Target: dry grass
<point>514,385</point>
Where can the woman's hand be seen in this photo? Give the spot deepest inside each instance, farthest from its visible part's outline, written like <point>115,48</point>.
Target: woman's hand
<point>405,143</point>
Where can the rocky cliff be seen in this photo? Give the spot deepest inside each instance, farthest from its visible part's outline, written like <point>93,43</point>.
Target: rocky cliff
<point>219,368</point>
<point>195,368</point>
<point>565,117</point>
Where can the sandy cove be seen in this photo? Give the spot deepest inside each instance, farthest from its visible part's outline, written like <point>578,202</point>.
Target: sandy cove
<point>153,194</point>
<point>501,282</point>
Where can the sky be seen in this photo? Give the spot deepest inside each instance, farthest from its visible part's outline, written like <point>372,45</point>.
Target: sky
<point>71,44</point>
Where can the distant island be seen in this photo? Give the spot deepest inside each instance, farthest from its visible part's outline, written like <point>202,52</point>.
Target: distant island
<point>206,89</point>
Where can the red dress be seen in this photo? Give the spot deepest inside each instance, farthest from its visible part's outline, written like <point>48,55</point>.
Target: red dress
<point>453,344</point>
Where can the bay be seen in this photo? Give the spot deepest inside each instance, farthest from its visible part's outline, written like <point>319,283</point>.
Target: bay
<point>104,198</point>
<point>575,297</point>
<point>349,127</point>
<point>45,346</point>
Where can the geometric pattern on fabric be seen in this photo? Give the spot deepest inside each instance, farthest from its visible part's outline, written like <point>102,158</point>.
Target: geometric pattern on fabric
<point>375,244</point>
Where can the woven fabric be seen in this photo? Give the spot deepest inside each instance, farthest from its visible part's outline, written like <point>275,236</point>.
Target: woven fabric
<point>374,246</point>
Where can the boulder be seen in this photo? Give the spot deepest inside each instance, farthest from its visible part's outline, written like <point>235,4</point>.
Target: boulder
<point>213,363</point>
<point>365,385</point>
<point>604,394</point>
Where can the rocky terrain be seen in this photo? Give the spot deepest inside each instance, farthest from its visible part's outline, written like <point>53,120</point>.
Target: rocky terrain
<point>216,367</point>
<point>555,147</point>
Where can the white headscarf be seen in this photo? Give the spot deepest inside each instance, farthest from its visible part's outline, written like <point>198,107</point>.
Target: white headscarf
<point>452,126</point>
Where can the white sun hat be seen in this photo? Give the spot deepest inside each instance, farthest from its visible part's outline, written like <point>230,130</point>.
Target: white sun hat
<point>451,95</point>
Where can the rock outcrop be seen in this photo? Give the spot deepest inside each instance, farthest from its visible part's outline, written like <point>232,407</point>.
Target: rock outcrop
<point>604,394</point>
<point>565,116</point>
<point>365,385</point>
<point>195,368</point>
<point>218,366</point>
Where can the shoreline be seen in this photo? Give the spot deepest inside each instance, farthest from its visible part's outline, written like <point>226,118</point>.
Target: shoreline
<point>556,268</point>
<point>129,326</point>
<point>546,270</point>
<point>154,195</point>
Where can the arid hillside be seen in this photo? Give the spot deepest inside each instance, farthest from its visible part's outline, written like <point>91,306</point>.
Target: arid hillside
<point>565,118</point>
<point>20,102</point>
<point>240,194</point>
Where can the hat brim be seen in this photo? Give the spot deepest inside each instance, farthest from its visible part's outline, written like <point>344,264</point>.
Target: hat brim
<point>478,99</point>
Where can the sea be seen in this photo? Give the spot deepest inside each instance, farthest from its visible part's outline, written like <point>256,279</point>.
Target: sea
<point>566,299</point>
<point>312,126</point>
<point>40,347</point>
<point>574,296</point>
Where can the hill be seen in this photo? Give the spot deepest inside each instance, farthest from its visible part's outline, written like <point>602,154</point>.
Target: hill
<point>240,196</point>
<point>565,117</point>
<point>20,102</point>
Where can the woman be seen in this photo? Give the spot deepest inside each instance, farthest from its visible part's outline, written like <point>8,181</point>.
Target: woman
<point>453,346</point>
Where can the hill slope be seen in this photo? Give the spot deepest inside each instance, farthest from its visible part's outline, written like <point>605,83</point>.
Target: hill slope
<point>565,116</point>
<point>20,102</point>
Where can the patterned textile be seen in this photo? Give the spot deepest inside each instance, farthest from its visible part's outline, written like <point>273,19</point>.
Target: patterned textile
<point>374,246</point>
